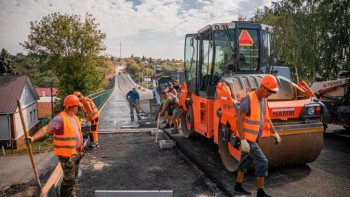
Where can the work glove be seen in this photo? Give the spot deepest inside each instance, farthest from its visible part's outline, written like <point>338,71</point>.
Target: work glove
<point>88,123</point>
<point>28,140</point>
<point>277,138</point>
<point>245,146</point>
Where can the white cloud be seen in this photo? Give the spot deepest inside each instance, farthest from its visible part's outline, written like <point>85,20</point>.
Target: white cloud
<point>153,28</point>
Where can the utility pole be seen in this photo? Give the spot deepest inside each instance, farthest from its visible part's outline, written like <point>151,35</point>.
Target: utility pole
<point>147,78</point>
<point>51,99</point>
<point>120,50</point>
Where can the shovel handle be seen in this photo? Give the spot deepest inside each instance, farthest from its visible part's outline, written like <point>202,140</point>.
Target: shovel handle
<point>29,145</point>
<point>137,107</point>
<point>157,131</point>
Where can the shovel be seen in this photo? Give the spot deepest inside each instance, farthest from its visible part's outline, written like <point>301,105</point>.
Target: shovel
<point>29,146</point>
<point>144,113</point>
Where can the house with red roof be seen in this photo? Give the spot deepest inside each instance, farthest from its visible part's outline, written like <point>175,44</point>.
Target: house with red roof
<point>11,130</point>
<point>44,103</point>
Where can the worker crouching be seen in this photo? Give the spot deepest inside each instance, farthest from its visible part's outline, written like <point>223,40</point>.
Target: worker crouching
<point>91,114</point>
<point>173,102</point>
<point>67,141</point>
<point>253,121</point>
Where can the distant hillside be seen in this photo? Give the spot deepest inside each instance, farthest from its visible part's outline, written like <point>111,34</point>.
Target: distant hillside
<point>139,68</point>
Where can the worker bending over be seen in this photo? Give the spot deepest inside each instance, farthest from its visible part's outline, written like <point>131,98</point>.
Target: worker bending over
<point>91,117</point>
<point>134,103</point>
<point>67,141</point>
<point>253,121</point>
<point>168,112</point>
<point>173,102</point>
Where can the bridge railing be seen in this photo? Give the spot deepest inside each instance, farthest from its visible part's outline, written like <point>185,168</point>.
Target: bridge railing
<point>99,98</point>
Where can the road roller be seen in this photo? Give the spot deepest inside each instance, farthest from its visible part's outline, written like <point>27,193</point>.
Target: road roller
<point>223,62</point>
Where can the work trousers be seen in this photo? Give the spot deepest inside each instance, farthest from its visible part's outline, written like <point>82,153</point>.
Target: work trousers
<point>70,167</point>
<point>255,154</point>
<point>132,107</point>
<point>93,134</point>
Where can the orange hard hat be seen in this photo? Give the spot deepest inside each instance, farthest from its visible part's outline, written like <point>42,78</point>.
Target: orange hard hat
<point>270,82</point>
<point>77,94</point>
<point>71,100</point>
<point>176,83</point>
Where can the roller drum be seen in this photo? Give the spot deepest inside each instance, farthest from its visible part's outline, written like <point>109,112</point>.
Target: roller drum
<point>293,149</point>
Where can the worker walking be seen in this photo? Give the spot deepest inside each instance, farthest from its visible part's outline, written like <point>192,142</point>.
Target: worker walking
<point>173,102</point>
<point>134,103</point>
<point>91,117</point>
<point>67,141</point>
<point>253,121</point>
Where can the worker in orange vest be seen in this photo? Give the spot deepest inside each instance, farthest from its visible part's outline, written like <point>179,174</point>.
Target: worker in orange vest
<point>91,117</point>
<point>253,121</point>
<point>67,141</point>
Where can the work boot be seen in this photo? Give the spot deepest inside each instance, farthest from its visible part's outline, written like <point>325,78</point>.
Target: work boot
<point>91,147</point>
<point>166,126</point>
<point>174,131</point>
<point>240,189</point>
<point>261,193</point>
<point>95,144</point>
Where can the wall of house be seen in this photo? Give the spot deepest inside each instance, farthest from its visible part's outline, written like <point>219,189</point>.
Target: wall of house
<point>30,112</point>
<point>26,97</point>
<point>5,127</point>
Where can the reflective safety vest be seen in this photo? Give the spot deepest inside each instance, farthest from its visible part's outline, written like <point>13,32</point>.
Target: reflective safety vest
<point>95,112</point>
<point>251,124</point>
<point>65,143</point>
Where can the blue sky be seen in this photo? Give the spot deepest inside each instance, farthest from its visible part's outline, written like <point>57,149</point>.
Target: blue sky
<point>153,28</point>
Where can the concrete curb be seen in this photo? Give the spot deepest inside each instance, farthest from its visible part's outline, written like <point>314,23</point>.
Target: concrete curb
<point>134,193</point>
<point>136,130</point>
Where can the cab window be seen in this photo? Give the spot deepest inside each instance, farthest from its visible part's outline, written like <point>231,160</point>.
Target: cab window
<point>191,56</point>
<point>248,50</point>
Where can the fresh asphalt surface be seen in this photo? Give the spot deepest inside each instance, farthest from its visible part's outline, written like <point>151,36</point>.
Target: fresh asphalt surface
<point>132,161</point>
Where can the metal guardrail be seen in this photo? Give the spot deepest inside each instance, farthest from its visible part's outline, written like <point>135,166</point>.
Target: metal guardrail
<point>99,98</point>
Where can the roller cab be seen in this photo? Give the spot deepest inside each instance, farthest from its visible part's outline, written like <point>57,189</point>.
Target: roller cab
<point>223,64</point>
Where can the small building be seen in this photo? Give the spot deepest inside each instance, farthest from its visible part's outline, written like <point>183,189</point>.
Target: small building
<point>44,102</point>
<point>11,89</point>
<point>144,63</point>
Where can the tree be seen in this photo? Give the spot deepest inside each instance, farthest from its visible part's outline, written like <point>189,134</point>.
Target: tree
<point>7,66</point>
<point>69,46</point>
<point>39,75</point>
<point>309,35</point>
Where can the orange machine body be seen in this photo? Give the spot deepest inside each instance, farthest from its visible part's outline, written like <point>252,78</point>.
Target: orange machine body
<point>208,113</point>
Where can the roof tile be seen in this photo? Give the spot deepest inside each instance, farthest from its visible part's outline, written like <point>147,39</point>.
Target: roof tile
<point>11,88</point>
